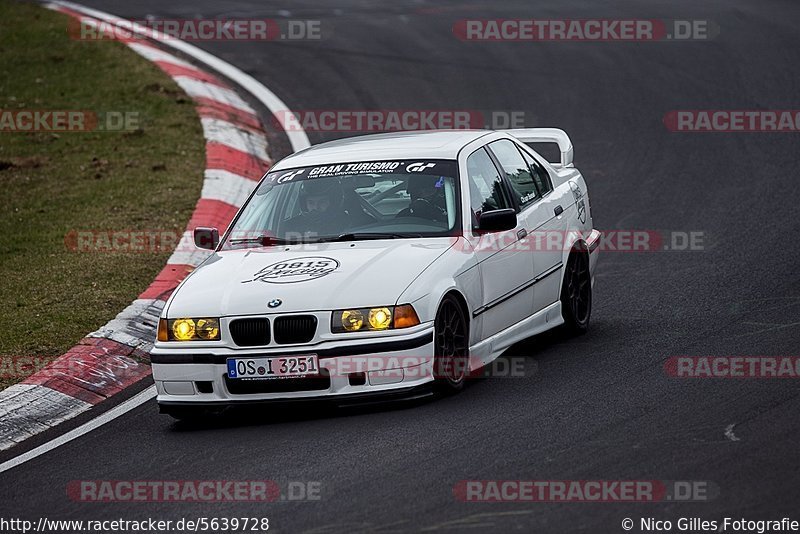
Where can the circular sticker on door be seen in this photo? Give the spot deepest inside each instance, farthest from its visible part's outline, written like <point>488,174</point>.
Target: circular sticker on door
<point>296,270</point>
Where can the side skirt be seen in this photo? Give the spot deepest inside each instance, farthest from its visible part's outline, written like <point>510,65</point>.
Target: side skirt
<point>489,349</point>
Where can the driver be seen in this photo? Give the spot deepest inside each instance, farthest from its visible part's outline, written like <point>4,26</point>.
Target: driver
<point>321,206</point>
<point>427,198</point>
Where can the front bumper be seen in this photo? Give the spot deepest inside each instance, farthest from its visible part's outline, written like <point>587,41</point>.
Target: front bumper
<point>389,365</point>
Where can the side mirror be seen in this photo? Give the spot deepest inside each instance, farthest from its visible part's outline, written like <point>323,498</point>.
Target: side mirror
<point>497,220</point>
<point>206,238</point>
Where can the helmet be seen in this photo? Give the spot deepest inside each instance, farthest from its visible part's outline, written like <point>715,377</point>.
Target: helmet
<point>329,188</point>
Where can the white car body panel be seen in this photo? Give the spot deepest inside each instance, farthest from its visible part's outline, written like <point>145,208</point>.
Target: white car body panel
<point>230,277</point>
<point>389,272</point>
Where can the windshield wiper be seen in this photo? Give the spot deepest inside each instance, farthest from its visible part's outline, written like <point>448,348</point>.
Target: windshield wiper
<point>363,236</point>
<point>265,240</point>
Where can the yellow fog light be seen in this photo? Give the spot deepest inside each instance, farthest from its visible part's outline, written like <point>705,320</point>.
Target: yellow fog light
<point>380,318</point>
<point>183,329</point>
<point>352,320</point>
<point>207,329</point>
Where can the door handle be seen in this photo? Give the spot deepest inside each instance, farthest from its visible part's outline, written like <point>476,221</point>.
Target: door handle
<point>522,233</point>
<point>558,211</point>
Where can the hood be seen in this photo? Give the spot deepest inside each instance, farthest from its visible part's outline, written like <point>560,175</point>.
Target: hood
<point>314,277</point>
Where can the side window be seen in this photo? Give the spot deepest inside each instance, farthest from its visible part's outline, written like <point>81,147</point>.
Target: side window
<point>540,175</point>
<point>485,185</point>
<point>517,170</point>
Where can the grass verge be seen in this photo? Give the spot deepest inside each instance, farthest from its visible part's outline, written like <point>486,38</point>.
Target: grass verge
<point>147,177</point>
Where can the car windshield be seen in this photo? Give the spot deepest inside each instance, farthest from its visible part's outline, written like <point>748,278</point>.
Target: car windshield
<point>351,201</point>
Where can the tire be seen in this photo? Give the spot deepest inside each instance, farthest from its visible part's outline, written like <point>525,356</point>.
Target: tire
<point>450,346</point>
<point>576,293</point>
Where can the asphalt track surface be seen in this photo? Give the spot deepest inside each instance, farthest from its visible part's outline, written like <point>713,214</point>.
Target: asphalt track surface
<point>597,407</point>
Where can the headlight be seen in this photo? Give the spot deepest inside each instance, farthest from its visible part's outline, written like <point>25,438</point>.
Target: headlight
<point>189,329</point>
<point>371,319</point>
<point>380,318</point>
<point>352,320</point>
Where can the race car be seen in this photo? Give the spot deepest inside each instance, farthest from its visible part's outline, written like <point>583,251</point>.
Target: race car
<point>387,264</point>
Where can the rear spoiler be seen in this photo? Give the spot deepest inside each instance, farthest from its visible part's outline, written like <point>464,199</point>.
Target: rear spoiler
<point>546,135</point>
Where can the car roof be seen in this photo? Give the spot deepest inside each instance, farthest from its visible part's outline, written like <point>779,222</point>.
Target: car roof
<point>431,144</point>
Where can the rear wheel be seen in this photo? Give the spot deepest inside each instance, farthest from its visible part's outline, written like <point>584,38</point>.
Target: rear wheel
<point>451,345</point>
<point>576,293</point>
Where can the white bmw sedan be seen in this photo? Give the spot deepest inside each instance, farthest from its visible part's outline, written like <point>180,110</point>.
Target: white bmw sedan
<point>381,265</point>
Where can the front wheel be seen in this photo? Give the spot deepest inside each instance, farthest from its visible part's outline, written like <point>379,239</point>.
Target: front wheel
<point>576,293</point>
<point>451,346</point>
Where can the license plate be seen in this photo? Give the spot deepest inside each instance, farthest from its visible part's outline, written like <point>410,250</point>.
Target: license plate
<point>275,367</point>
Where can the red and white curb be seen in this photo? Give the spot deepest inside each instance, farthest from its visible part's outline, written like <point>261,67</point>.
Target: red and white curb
<point>237,154</point>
